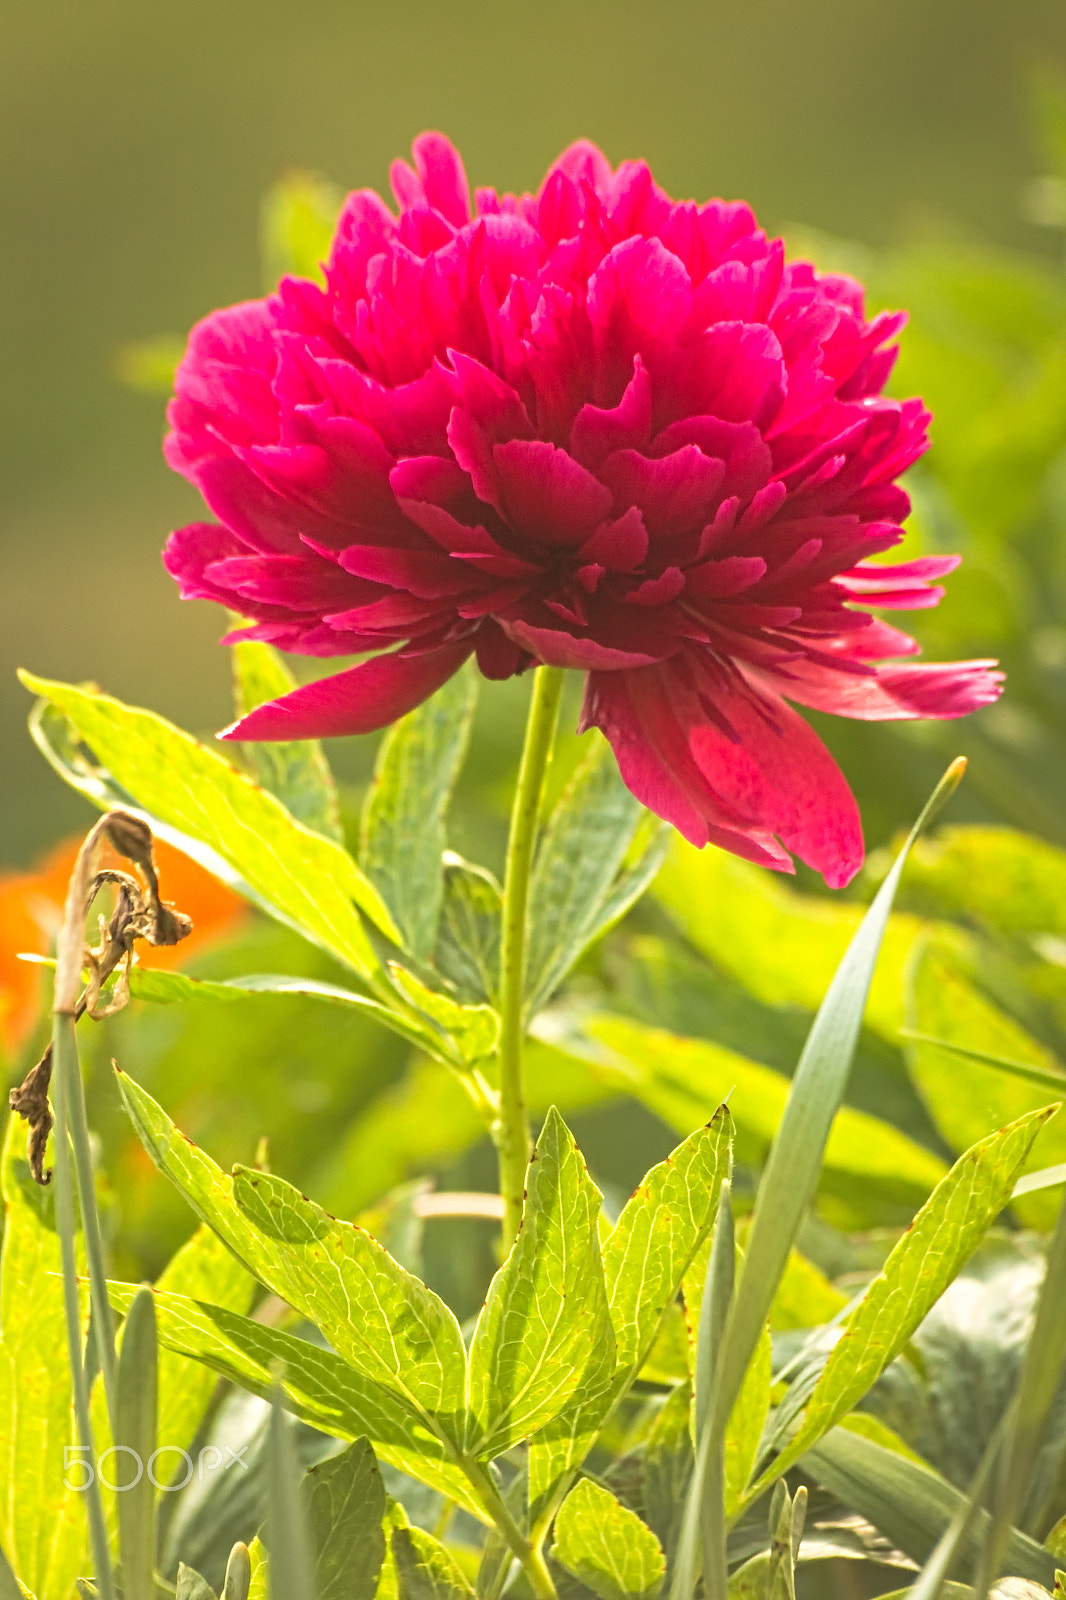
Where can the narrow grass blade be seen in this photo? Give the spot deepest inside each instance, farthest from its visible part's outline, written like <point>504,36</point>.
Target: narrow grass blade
<point>136,1412</point>
<point>1046,1178</point>
<point>930,1581</point>
<point>9,1585</point>
<point>103,1322</point>
<point>1017,1069</point>
<point>291,1562</point>
<point>67,1072</point>
<point>1042,1369</point>
<point>791,1173</point>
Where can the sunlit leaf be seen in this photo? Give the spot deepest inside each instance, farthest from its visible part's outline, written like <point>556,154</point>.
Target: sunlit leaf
<point>42,1523</point>
<point>607,1547</point>
<point>919,1269</point>
<point>345,1507</point>
<point>194,798</point>
<point>295,770</point>
<point>402,835</point>
<point>467,953</point>
<point>424,1569</point>
<point>318,1385</point>
<point>543,1341</point>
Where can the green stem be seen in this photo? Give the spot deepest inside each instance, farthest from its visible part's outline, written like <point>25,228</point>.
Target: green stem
<point>103,1323</point>
<point>67,1074</point>
<point>529,1557</point>
<point>512,1131</point>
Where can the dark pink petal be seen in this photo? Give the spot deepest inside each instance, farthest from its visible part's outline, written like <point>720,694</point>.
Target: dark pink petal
<point>423,573</point>
<point>892,693</point>
<point>366,697</point>
<point>621,544</point>
<point>598,431</point>
<point>558,648</point>
<point>658,591</point>
<point>299,583</point>
<point>716,580</point>
<point>674,493</point>
<point>546,494</point>
<point>190,551</point>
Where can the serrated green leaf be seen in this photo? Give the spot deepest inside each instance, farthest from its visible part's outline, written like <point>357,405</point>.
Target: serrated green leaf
<point>467,952</point>
<point>191,1586</point>
<point>380,1319</point>
<point>942,1237</point>
<point>42,1523</point>
<point>911,1504</point>
<point>543,1341</point>
<point>658,1233</point>
<point>402,836</point>
<point>473,1031</point>
<point>580,855</point>
<point>195,799</point>
<point>346,1505</point>
<point>296,771</point>
<point>645,1258</point>
<point>159,987</point>
<point>607,1547</point>
<point>424,1569</point>
<point>257,1589</point>
<point>318,1386</point>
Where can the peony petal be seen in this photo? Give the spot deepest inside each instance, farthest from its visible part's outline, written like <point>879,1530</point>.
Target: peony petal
<point>546,494</point>
<point>366,697</point>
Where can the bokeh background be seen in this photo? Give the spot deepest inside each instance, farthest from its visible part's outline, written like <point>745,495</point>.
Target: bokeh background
<point>140,138</point>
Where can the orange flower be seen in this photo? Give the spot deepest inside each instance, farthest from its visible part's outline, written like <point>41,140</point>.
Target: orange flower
<point>31,905</point>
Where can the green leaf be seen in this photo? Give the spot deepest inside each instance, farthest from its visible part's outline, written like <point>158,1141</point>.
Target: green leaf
<point>682,1079</point>
<point>347,1503</point>
<point>318,1386</point>
<point>149,365</point>
<point>159,987</point>
<point>380,1319</point>
<point>467,953</point>
<point>942,1237</point>
<point>944,1003</point>
<point>297,219</point>
<point>472,1030</point>
<point>402,836</point>
<point>790,1176</point>
<point>607,1547</point>
<point>195,799</point>
<point>668,1467</point>
<point>581,852</point>
<point>296,771</point>
<point>911,1504</point>
<point>42,1523</point>
<point>191,1586</point>
<point>134,1441</point>
<point>203,1269</point>
<point>658,1234</point>
<point>424,1569</point>
<point>543,1343</point>
<point>257,1589</point>
<point>644,1260</point>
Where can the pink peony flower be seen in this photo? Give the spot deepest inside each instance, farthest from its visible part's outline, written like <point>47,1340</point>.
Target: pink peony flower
<point>593,428</point>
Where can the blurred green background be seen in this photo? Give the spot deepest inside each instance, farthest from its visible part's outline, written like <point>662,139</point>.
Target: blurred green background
<point>139,140</point>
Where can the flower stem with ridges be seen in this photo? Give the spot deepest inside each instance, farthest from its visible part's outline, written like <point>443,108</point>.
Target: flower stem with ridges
<point>512,1131</point>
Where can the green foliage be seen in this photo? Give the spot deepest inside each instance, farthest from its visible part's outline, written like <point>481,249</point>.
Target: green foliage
<point>607,1547</point>
<point>402,835</point>
<point>42,1522</point>
<point>346,1505</point>
<point>297,772</point>
<point>424,1569</point>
